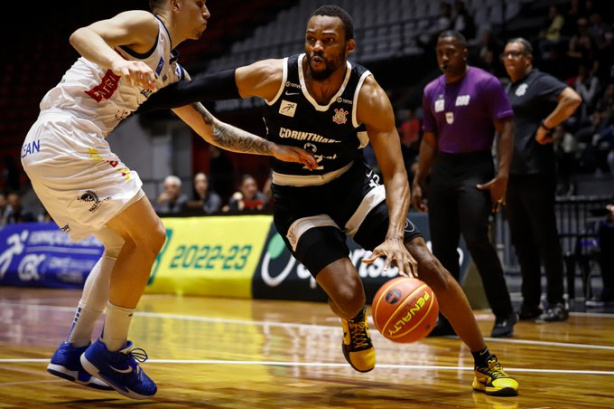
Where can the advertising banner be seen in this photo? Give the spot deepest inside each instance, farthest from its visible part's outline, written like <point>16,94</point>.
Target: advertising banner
<point>280,276</point>
<point>214,255</point>
<point>42,255</point>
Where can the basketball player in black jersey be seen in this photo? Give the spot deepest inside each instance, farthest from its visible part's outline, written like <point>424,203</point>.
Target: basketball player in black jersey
<point>321,102</point>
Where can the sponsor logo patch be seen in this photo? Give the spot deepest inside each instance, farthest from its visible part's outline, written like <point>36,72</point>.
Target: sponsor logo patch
<point>287,108</point>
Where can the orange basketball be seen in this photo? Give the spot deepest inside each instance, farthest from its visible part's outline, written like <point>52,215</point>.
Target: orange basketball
<point>405,309</point>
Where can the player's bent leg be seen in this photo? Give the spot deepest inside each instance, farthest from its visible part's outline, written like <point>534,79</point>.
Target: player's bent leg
<point>116,360</point>
<point>343,285</point>
<point>452,300</point>
<point>490,377</point>
<point>144,236</point>
<point>65,362</point>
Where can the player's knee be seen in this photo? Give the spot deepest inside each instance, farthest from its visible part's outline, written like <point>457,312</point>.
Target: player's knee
<point>151,238</point>
<point>432,272</point>
<point>158,237</point>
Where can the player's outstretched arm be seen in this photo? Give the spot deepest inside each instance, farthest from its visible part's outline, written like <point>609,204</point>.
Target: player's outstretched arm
<point>234,139</point>
<point>260,79</point>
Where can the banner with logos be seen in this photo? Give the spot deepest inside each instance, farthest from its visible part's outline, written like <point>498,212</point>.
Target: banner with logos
<point>42,255</point>
<point>231,256</point>
<point>280,276</point>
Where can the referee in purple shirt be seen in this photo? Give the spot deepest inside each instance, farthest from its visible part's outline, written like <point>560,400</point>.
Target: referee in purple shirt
<point>463,109</point>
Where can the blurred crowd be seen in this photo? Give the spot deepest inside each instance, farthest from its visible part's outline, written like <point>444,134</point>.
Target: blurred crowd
<point>247,197</point>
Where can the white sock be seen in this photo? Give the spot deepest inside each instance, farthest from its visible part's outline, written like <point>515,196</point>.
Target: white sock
<point>116,326</point>
<point>92,303</point>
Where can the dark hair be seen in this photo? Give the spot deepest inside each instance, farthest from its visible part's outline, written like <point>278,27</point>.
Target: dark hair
<point>526,45</point>
<point>456,35</point>
<point>336,11</point>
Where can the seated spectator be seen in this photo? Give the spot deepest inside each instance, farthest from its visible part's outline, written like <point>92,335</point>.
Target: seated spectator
<point>575,11</point>
<point>268,191</point>
<point>17,213</point>
<point>551,35</point>
<point>606,259</point>
<point>4,209</point>
<point>11,174</point>
<point>247,198</point>
<point>487,54</point>
<point>204,197</point>
<point>581,45</point>
<point>221,172</point>
<point>171,201</point>
<point>410,128</point>
<point>409,131</point>
<point>588,86</point>
<point>463,21</point>
<point>601,32</point>
<point>444,22</point>
<point>606,100</point>
<point>596,140</point>
<point>567,154</point>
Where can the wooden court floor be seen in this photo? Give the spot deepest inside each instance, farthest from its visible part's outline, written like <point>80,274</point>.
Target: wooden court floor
<point>237,353</point>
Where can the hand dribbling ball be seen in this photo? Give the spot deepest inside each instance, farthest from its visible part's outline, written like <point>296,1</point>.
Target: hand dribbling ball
<point>405,309</point>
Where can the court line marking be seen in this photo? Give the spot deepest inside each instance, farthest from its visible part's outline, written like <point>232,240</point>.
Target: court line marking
<point>333,365</point>
<point>312,327</point>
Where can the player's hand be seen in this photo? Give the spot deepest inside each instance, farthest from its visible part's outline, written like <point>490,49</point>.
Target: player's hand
<point>137,73</point>
<point>418,199</point>
<point>543,137</point>
<point>293,154</point>
<point>497,188</point>
<point>396,253</point>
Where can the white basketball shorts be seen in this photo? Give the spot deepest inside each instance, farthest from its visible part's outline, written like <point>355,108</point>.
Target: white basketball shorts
<point>81,183</point>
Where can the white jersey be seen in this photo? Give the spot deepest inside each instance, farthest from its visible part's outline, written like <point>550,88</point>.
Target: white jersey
<point>93,93</point>
<point>66,155</point>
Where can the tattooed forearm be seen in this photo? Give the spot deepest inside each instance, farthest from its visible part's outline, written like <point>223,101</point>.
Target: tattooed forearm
<point>234,139</point>
<point>229,137</point>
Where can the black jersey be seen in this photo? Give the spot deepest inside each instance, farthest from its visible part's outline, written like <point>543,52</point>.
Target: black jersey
<point>330,132</point>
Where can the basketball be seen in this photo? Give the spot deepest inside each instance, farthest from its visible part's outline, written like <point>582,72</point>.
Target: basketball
<point>405,309</point>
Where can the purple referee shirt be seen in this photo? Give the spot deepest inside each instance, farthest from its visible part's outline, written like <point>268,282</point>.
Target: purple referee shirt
<point>462,114</point>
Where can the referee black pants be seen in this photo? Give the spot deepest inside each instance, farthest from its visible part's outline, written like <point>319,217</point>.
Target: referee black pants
<point>532,222</point>
<point>457,206</point>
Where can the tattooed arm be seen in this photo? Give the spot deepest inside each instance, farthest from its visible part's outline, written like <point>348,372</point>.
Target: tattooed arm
<point>234,139</point>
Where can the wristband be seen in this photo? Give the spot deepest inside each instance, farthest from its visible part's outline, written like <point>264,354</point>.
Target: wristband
<point>543,125</point>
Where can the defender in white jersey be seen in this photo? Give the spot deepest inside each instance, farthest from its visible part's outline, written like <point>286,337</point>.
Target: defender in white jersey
<point>320,101</point>
<point>88,190</point>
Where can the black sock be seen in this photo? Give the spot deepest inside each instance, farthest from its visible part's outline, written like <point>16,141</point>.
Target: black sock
<point>480,358</point>
<point>360,316</point>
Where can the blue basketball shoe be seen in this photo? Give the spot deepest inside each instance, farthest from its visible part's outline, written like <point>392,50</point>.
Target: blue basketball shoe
<point>65,363</point>
<point>120,369</point>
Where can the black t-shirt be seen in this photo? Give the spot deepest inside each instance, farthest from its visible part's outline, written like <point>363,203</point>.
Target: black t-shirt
<point>533,98</point>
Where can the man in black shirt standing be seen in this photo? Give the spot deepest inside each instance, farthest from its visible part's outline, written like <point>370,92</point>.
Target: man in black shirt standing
<point>540,102</point>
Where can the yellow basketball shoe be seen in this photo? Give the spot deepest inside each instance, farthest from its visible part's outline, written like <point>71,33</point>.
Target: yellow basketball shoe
<point>357,346</point>
<point>493,380</point>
